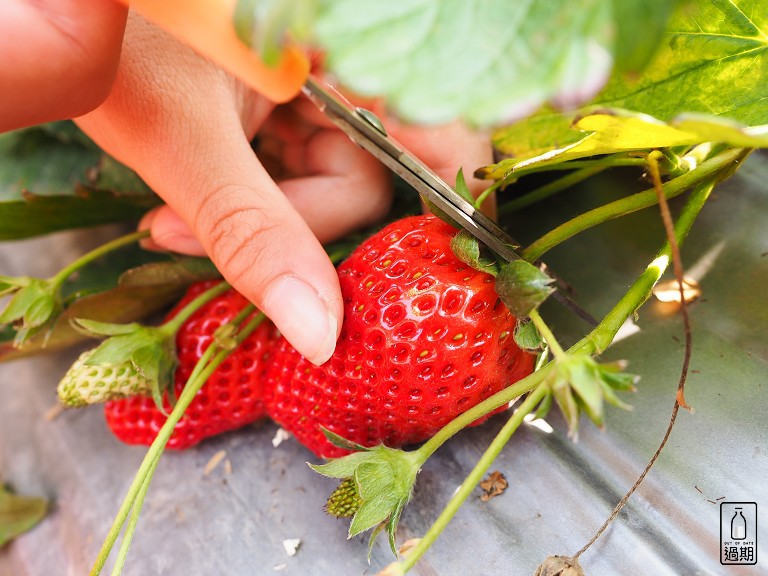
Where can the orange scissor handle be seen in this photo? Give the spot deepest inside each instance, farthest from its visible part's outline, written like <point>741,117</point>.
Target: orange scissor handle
<point>207,26</point>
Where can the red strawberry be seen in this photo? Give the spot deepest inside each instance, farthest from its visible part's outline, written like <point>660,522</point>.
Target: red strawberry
<point>425,337</point>
<point>231,398</point>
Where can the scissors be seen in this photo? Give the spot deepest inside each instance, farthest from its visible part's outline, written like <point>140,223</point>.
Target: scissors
<point>366,130</point>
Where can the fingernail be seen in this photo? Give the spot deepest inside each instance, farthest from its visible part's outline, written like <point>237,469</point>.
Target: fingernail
<point>302,317</point>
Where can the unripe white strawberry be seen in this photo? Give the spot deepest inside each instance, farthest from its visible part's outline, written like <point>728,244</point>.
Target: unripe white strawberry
<point>86,383</point>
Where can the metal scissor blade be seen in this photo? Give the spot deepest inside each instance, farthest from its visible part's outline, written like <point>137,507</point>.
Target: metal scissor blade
<point>366,130</point>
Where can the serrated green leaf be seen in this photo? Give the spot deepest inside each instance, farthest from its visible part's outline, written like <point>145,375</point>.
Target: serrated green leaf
<point>522,287</point>
<point>714,61</point>
<point>427,58</point>
<point>633,51</point>
<point>617,131</point>
<point>18,514</point>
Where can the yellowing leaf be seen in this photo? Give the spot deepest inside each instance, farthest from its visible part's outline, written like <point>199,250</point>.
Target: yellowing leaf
<point>615,131</point>
<point>714,62</point>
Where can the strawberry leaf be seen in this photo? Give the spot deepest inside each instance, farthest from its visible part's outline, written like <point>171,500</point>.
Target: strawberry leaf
<point>33,308</point>
<point>18,514</point>
<point>136,294</point>
<point>712,62</point>
<point>53,177</point>
<point>522,287</point>
<point>431,64</point>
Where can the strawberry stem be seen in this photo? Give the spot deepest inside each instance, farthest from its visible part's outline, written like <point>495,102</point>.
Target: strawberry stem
<point>95,254</point>
<point>130,529</point>
<point>209,361</point>
<point>546,334</point>
<point>708,170</point>
<point>173,325</point>
<point>474,477</point>
<point>550,189</point>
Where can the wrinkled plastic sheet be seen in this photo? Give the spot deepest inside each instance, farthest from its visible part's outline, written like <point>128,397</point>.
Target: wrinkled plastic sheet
<point>236,519</point>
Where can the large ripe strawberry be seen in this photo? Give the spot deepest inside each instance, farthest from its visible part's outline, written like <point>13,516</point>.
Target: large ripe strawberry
<point>231,398</point>
<point>425,337</point>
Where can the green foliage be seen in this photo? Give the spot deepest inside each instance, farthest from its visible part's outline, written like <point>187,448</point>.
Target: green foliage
<point>714,61</point>
<point>136,293</point>
<point>435,61</point>
<point>53,178</point>
<point>18,514</point>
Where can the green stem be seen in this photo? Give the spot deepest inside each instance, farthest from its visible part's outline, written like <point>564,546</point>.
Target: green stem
<point>479,410</point>
<point>485,194</point>
<point>210,360</point>
<point>474,477</point>
<point>601,337</point>
<point>546,334</point>
<point>549,189</point>
<point>130,529</point>
<point>708,170</point>
<point>173,325</point>
<point>89,257</point>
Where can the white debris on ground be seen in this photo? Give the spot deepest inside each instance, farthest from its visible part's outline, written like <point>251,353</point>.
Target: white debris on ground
<point>280,436</point>
<point>291,545</point>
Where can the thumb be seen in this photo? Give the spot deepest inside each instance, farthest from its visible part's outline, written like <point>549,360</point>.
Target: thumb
<point>259,243</point>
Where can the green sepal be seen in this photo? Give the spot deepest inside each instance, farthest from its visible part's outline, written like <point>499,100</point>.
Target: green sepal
<point>528,338</point>
<point>581,384</point>
<point>522,287</point>
<point>461,187</point>
<point>341,442</point>
<point>467,249</point>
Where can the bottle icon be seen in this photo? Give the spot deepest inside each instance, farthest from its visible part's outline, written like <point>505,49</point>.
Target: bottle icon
<point>738,525</point>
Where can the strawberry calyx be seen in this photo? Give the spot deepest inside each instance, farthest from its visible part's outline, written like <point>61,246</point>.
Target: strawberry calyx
<point>377,483</point>
<point>34,305</point>
<point>579,384</point>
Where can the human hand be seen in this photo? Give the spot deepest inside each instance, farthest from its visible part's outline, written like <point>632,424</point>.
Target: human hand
<point>59,58</point>
<point>185,127</point>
